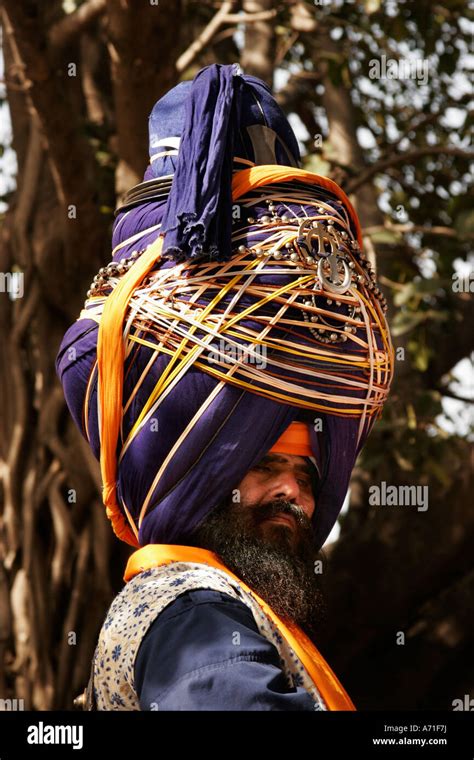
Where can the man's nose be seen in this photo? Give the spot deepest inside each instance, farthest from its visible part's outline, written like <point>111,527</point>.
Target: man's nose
<point>285,486</point>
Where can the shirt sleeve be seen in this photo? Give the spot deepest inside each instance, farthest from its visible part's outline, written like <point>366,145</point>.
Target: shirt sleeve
<point>204,652</point>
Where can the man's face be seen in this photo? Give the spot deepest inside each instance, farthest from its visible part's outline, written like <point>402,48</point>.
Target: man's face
<point>263,533</point>
<point>280,488</point>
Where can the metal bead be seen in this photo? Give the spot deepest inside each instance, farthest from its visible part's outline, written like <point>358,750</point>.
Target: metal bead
<point>277,255</point>
<point>321,210</point>
<point>309,260</point>
<point>285,218</point>
<point>308,303</point>
<point>135,254</point>
<point>124,261</point>
<point>259,252</point>
<point>338,303</point>
<point>294,257</point>
<point>265,219</point>
<point>89,293</point>
<point>102,271</point>
<point>329,301</point>
<point>314,318</point>
<point>251,220</point>
<point>242,248</point>
<point>333,336</point>
<point>351,265</point>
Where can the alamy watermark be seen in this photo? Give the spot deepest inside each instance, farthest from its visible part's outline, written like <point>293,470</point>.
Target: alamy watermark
<point>399,68</point>
<point>384,495</point>
<point>232,353</point>
<point>13,284</point>
<point>12,705</point>
<point>464,704</point>
<point>463,283</point>
<point>43,733</point>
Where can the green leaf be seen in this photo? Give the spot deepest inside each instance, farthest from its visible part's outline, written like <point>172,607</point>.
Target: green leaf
<point>433,466</point>
<point>464,223</point>
<point>372,6</point>
<point>405,321</point>
<point>402,462</point>
<point>417,289</point>
<point>387,236</point>
<point>411,417</point>
<point>314,163</point>
<point>422,357</point>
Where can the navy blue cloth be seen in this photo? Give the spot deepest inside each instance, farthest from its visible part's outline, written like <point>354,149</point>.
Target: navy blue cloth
<point>191,659</point>
<point>197,215</point>
<point>218,104</point>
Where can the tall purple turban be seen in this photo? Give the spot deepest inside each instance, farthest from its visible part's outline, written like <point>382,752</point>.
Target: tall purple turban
<point>254,306</point>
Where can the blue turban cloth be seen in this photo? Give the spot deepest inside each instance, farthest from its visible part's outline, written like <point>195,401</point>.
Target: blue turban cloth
<point>202,133</point>
<point>219,119</point>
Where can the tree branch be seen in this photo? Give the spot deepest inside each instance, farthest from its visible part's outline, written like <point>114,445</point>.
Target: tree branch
<point>436,230</point>
<point>406,158</point>
<point>71,159</point>
<point>450,394</point>
<point>64,31</point>
<point>301,20</point>
<point>412,127</point>
<point>249,18</point>
<point>258,55</point>
<point>142,41</point>
<point>453,339</point>
<point>204,38</point>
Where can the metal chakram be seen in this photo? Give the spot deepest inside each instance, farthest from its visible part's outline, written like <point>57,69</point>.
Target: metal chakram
<point>330,245</point>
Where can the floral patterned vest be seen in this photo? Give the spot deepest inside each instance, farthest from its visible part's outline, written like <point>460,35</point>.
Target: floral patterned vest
<point>136,607</point>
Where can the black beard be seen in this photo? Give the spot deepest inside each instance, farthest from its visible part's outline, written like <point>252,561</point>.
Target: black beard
<point>278,563</point>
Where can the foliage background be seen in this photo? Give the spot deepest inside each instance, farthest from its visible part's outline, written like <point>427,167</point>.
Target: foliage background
<point>401,149</point>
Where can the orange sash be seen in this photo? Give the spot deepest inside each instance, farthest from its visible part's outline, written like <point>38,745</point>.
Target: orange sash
<point>324,679</point>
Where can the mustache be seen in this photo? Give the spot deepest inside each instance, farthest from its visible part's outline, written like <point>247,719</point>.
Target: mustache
<point>262,512</point>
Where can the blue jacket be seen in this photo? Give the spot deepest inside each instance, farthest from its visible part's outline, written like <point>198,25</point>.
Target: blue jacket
<point>189,659</point>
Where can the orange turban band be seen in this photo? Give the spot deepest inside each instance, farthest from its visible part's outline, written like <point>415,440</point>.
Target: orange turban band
<point>294,440</point>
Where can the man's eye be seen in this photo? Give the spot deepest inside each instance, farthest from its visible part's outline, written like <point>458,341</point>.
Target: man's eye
<point>304,483</point>
<point>264,467</point>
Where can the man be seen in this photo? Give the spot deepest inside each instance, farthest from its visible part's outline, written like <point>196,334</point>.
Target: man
<point>204,451</point>
<point>210,648</point>
<point>266,539</point>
